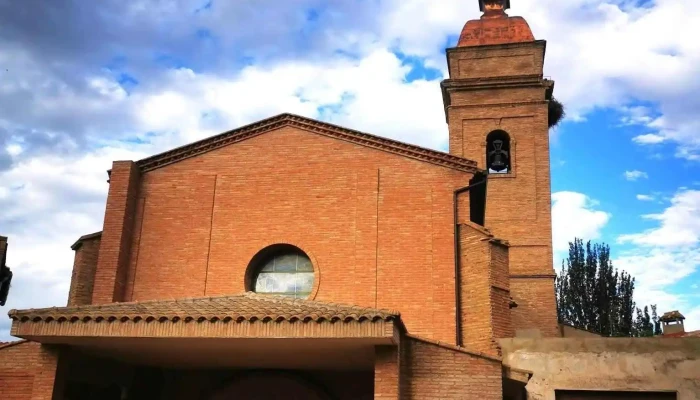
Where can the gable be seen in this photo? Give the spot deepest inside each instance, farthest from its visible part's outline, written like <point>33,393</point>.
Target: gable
<point>374,216</point>
<point>310,125</point>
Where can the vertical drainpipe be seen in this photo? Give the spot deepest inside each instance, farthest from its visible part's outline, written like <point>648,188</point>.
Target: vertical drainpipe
<point>458,255</point>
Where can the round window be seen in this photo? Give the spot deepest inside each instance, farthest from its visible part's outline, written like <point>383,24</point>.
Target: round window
<point>285,273</point>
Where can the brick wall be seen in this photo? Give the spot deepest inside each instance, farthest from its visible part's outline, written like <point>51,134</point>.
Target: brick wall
<point>477,332</point>
<point>27,371</point>
<point>518,208</point>
<point>485,287</point>
<point>84,266</point>
<point>501,318</point>
<point>387,366</point>
<point>534,298</point>
<point>378,226</point>
<point>115,246</point>
<point>432,371</point>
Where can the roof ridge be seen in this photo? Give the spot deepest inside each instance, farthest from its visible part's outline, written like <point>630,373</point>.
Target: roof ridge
<point>285,119</point>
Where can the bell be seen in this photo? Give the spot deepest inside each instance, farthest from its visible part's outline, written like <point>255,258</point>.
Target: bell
<point>498,158</point>
<point>497,163</point>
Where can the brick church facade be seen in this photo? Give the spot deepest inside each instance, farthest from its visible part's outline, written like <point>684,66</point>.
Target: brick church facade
<point>296,259</point>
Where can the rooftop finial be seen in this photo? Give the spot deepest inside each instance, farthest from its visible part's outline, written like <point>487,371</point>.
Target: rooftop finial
<point>495,27</point>
<point>494,8</point>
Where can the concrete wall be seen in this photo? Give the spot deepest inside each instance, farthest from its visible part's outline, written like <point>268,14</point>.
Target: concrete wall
<point>621,364</point>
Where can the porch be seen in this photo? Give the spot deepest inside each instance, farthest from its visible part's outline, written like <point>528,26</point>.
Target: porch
<point>235,347</point>
<point>86,376</point>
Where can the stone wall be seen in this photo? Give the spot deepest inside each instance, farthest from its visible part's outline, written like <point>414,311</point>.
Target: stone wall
<point>606,364</point>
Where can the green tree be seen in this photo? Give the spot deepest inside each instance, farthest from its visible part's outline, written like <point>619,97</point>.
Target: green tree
<point>593,295</point>
<point>647,325</point>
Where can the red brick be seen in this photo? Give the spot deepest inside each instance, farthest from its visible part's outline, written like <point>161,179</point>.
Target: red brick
<point>28,371</point>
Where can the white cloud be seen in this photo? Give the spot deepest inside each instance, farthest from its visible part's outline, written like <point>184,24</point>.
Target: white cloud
<point>645,197</point>
<point>621,52</point>
<point>657,268</point>
<point>636,115</point>
<point>692,318</point>
<point>666,255</point>
<point>635,175</point>
<point>679,224</point>
<point>649,138</point>
<point>574,216</point>
<point>57,200</point>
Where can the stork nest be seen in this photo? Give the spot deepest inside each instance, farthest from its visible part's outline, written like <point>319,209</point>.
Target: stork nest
<point>556,112</point>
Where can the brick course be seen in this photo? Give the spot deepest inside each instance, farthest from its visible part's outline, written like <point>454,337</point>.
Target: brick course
<point>387,372</point>
<point>485,290</point>
<point>115,247</point>
<point>377,225</point>
<point>82,280</point>
<point>28,371</point>
<point>432,371</point>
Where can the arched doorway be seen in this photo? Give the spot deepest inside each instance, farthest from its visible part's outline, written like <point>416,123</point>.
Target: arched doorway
<point>270,385</point>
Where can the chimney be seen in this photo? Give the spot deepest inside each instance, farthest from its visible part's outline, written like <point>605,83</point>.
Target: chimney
<point>673,323</point>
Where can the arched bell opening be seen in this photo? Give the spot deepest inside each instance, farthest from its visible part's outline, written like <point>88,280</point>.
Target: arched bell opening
<point>498,155</point>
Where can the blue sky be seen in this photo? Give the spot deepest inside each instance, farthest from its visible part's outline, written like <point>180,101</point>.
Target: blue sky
<point>153,75</point>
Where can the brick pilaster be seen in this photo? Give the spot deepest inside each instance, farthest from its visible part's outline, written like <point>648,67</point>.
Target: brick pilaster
<point>115,246</point>
<point>48,379</point>
<point>87,249</point>
<point>386,372</point>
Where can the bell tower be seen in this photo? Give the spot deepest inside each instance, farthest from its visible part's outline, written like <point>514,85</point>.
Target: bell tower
<point>497,107</point>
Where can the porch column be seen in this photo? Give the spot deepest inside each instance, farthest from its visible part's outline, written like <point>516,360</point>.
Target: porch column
<point>48,381</point>
<point>386,372</point>
<point>115,245</point>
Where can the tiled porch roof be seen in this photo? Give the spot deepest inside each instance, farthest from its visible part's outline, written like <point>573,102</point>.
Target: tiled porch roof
<point>243,307</point>
<point>246,315</point>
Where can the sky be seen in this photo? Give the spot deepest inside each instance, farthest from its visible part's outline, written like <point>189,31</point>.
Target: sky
<point>85,83</point>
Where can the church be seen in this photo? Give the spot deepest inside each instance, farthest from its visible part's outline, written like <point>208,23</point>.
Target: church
<point>295,259</point>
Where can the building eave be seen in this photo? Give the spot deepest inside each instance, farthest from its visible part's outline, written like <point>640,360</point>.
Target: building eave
<point>79,242</point>
<point>241,316</point>
<point>289,120</point>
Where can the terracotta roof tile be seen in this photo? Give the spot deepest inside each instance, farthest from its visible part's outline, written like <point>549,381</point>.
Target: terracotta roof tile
<point>244,307</point>
<point>12,343</point>
<point>672,316</point>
